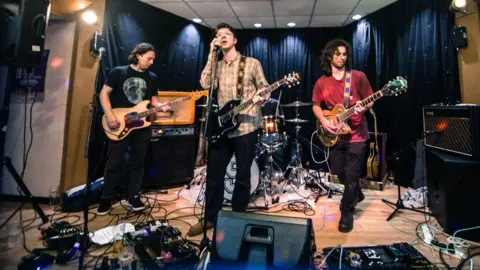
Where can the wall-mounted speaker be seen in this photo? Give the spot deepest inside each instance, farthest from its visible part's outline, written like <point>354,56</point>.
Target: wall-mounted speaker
<point>460,37</point>
<point>23,24</point>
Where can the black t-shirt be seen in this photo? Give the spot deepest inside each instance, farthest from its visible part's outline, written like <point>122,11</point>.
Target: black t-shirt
<point>130,87</point>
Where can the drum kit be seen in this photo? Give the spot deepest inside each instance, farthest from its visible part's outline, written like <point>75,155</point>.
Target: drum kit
<point>272,180</point>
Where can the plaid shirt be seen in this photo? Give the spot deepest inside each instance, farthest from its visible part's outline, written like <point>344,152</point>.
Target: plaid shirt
<point>227,74</point>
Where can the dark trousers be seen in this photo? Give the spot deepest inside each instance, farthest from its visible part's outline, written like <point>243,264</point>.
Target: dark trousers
<point>116,175</point>
<point>347,161</point>
<point>219,156</point>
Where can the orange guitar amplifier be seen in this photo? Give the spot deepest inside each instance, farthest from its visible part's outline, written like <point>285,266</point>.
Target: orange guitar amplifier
<point>182,113</point>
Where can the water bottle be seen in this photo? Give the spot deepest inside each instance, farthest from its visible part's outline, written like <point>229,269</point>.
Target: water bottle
<point>53,197</point>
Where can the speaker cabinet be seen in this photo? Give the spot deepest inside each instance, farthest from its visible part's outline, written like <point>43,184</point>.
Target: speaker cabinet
<point>170,161</point>
<point>453,188</point>
<point>261,241</point>
<point>23,31</point>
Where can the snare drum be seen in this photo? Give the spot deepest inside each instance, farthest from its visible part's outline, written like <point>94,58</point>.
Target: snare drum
<point>230,178</point>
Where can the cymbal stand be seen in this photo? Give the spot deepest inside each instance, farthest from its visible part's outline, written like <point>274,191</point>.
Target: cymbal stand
<point>297,171</point>
<point>267,176</point>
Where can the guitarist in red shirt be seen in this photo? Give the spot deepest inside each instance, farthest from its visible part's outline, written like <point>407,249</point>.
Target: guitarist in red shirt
<point>348,156</point>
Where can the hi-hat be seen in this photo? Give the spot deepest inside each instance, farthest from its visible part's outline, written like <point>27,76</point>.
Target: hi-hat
<point>297,104</point>
<point>297,120</point>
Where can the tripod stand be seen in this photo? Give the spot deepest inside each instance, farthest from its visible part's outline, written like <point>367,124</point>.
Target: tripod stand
<point>8,163</point>
<point>399,204</point>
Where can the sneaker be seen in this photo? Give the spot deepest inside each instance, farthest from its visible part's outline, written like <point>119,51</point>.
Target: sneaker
<point>136,203</point>
<point>104,207</point>
<point>198,228</point>
<point>346,222</point>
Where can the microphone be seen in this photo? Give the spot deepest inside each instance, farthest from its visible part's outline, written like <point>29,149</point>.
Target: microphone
<point>101,52</point>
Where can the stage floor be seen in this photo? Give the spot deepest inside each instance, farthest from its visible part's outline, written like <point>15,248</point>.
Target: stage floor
<point>371,227</point>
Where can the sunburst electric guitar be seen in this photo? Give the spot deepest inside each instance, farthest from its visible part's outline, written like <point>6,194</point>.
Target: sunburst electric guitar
<point>339,116</point>
<point>135,117</point>
<point>373,162</point>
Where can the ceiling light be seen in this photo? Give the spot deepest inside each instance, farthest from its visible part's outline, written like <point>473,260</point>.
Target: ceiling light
<point>357,17</point>
<point>197,20</point>
<point>459,3</point>
<point>89,17</point>
<point>291,24</point>
<point>258,25</point>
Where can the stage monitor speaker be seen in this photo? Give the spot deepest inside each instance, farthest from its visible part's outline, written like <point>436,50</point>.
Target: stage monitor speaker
<point>261,242</point>
<point>170,159</point>
<point>453,188</point>
<point>23,31</point>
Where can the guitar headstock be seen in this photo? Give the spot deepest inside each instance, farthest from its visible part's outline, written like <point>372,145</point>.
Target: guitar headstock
<point>198,94</point>
<point>292,79</point>
<point>395,87</point>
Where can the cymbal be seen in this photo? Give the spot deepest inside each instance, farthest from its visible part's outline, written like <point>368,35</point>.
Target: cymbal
<point>297,104</point>
<point>297,120</point>
<point>205,105</point>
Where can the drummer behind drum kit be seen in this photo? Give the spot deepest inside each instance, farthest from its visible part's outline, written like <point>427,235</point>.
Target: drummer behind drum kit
<point>272,180</point>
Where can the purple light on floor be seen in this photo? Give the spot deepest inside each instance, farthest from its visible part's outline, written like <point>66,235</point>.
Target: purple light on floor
<point>329,217</point>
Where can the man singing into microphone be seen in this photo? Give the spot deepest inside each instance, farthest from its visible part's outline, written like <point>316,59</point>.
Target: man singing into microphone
<point>241,141</point>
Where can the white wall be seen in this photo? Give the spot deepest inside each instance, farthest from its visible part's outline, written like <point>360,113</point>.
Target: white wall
<point>45,159</point>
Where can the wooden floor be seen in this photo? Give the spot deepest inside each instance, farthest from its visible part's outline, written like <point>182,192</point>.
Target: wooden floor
<point>371,227</point>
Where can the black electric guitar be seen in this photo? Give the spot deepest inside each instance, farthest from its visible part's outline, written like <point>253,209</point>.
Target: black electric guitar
<point>225,120</point>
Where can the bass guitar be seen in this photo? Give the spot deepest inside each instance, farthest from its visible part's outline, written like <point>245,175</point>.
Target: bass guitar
<point>135,117</point>
<point>338,116</point>
<point>373,161</point>
<point>225,120</point>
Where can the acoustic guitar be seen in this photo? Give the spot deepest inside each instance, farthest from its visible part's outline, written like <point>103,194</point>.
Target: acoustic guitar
<point>373,162</point>
<point>338,116</point>
<point>135,117</point>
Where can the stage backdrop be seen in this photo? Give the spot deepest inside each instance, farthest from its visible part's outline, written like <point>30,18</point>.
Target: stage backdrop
<point>408,38</point>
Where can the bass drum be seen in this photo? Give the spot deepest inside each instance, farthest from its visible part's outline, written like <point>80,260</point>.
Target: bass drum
<point>230,178</point>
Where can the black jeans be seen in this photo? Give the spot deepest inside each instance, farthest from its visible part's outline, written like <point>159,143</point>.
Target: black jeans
<point>219,156</point>
<point>347,160</point>
<point>115,170</point>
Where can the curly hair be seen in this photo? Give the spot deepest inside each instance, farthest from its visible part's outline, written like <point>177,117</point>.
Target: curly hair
<point>327,54</point>
<point>141,49</point>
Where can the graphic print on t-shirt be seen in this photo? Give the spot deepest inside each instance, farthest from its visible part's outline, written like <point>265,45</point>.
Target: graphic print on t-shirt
<point>135,89</point>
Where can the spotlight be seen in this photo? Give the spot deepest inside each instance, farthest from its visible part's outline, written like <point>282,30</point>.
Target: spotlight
<point>89,17</point>
<point>258,25</point>
<point>459,6</point>
<point>197,20</point>
<point>357,17</point>
<point>291,24</point>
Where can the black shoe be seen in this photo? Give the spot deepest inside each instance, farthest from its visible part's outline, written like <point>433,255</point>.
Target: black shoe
<point>346,222</point>
<point>104,207</point>
<point>361,197</point>
<point>136,203</point>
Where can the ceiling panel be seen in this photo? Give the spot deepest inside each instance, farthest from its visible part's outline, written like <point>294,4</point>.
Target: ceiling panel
<point>328,20</point>
<point>180,9</point>
<point>300,21</point>
<point>249,9</point>
<point>332,7</point>
<point>248,22</point>
<point>293,8</point>
<point>157,1</point>
<point>212,9</point>
<point>368,6</point>
<point>213,22</point>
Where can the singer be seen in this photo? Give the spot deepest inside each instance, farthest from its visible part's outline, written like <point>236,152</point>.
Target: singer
<point>231,83</point>
<point>126,86</point>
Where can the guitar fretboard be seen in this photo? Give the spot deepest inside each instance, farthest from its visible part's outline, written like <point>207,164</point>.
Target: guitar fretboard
<point>249,102</point>
<point>158,108</point>
<point>348,113</point>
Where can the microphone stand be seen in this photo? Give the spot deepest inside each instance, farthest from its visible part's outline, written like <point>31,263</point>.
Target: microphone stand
<point>85,238</point>
<point>213,74</point>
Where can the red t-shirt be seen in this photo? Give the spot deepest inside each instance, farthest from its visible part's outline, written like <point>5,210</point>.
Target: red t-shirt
<point>330,91</point>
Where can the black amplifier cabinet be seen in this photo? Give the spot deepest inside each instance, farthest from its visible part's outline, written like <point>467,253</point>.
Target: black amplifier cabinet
<point>453,128</point>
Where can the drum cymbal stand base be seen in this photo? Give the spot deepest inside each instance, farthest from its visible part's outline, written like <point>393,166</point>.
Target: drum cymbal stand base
<point>266,178</point>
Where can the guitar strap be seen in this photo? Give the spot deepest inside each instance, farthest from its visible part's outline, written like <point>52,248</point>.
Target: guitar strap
<point>241,75</point>
<point>346,95</point>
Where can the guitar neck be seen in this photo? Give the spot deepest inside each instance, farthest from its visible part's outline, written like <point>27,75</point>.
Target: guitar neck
<point>348,113</point>
<point>249,102</point>
<point>158,108</point>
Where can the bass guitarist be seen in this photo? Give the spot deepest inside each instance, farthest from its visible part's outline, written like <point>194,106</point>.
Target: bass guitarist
<point>126,86</point>
<point>348,156</point>
<point>238,77</point>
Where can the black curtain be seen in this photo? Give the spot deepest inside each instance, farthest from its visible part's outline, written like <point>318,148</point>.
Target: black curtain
<point>412,39</point>
<point>409,38</point>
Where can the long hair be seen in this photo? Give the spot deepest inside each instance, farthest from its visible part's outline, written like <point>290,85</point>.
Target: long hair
<point>141,49</point>
<point>327,55</point>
